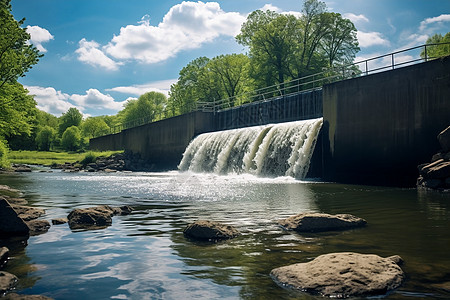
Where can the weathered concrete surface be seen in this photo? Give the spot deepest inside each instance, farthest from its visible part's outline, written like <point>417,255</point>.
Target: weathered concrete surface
<point>378,128</point>
<point>161,143</point>
<point>342,275</point>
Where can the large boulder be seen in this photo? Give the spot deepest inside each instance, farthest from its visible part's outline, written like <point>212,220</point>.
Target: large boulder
<point>95,217</point>
<point>10,223</point>
<point>341,275</point>
<point>444,139</point>
<point>204,230</point>
<point>317,222</point>
<point>7,282</point>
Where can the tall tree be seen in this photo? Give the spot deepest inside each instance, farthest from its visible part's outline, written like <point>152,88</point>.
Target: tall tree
<point>72,117</point>
<point>94,127</point>
<point>17,56</point>
<point>148,107</point>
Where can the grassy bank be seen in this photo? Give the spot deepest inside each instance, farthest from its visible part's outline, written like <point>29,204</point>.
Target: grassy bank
<point>49,158</point>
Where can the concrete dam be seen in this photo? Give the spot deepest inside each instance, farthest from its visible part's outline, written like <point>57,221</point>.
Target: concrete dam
<point>375,130</point>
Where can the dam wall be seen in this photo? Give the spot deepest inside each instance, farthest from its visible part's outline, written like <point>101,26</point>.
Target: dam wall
<point>160,143</point>
<point>378,128</point>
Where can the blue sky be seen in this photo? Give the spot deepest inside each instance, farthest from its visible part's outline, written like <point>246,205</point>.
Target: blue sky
<point>99,53</point>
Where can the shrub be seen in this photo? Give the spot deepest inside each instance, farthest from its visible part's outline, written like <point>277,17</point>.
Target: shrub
<point>71,139</point>
<point>4,162</point>
<point>45,137</point>
<point>90,157</point>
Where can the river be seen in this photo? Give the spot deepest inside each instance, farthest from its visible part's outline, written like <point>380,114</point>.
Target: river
<point>145,256</point>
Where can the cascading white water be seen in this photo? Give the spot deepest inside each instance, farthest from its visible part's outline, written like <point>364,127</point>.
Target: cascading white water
<point>283,149</point>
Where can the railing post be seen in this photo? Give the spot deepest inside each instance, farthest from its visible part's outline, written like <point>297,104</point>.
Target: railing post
<point>392,55</point>
<point>426,54</point>
<point>367,68</point>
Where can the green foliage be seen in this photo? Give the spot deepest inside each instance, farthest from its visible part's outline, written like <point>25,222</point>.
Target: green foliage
<point>45,138</point>
<point>72,117</point>
<point>51,158</point>
<point>148,107</point>
<point>17,110</point>
<point>90,157</point>
<point>436,51</point>
<point>4,162</point>
<point>94,126</point>
<point>17,56</point>
<point>71,139</point>
<point>283,47</point>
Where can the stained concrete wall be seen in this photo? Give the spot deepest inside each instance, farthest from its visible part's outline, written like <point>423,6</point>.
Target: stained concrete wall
<point>378,128</point>
<point>161,143</point>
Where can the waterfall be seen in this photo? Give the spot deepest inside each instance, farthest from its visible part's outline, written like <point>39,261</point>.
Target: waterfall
<point>283,149</point>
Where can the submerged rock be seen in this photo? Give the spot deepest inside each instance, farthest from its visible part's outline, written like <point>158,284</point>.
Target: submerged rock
<point>7,282</point>
<point>4,254</point>
<point>10,223</point>
<point>342,275</point>
<point>14,296</point>
<point>210,231</point>
<point>95,217</point>
<point>59,221</point>
<point>316,222</point>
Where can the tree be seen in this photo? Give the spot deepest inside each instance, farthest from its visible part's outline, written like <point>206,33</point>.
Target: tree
<point>94,127</point>
<point>72,117</point>
<point>45,138</point>
<point>437,50</point>
<point>17,56</point>
<point>340,43</point>
<point>148,107</point>
<point>71,139</point>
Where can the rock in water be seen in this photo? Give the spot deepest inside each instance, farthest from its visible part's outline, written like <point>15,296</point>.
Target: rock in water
<point>316,222</point>
<point>4,254</point>
<point>444,139</point>
<point>210,231</point>
<point>342,275</point>
<point>14,296</point>
<point>10,223</point>
<point>38,227</point>
<point>7,282</point>
<point>95,217</point>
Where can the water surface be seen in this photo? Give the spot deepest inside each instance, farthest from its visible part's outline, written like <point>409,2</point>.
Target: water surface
<point>145,255</point>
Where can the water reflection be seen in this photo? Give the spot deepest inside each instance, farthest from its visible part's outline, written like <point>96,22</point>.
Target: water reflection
<point>145,255</point>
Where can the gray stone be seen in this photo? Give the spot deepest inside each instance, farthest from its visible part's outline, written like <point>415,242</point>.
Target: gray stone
<point>342,275</point>
<point>210,231</point>
<point>10,223</point>
<point>8,191</point>
<point>7,282</point>
<point>444,139</point>
<point>317,222</point>
<point>92,217</point>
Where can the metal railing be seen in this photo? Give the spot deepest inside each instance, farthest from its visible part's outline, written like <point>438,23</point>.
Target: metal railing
<point>311,82</point>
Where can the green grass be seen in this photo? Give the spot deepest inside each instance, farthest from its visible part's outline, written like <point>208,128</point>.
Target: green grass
<point>49,158</point>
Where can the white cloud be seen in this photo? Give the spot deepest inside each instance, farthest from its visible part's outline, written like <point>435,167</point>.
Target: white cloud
<point>186,26</point>
<point>38,36</point>
<point>356,18</point>
<point>368,39</point>
<point>162,86</point>
<point>95,99</point>
<point>439,19</point>
<point>50,100</point>
<point>271,8</point>
<point>89,53</point>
